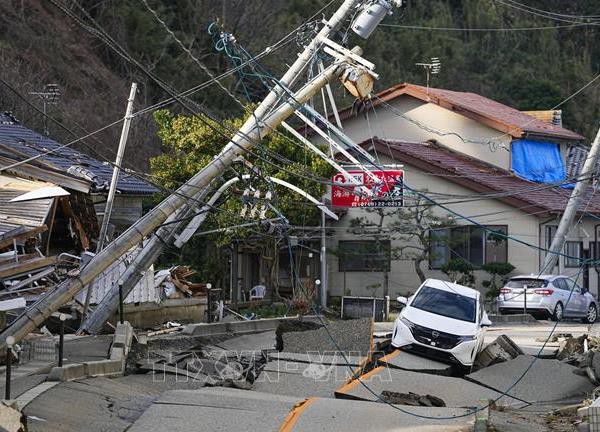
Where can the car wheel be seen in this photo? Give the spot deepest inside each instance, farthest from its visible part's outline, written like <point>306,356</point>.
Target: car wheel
<point>558,312</point>
<point>592,314</point>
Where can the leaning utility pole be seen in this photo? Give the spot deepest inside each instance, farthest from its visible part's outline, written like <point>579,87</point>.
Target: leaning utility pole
<point>116,169</point>
<point>113,185</point>
<point>589,167</point>
<point>265,114</point>
<point>323,286</point>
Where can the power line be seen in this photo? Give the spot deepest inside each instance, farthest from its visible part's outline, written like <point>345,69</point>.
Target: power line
<point>544,14</point>
<point>593,18</point>
<point>189,53</point>
<point>472,197</point>
<point>489,29</point>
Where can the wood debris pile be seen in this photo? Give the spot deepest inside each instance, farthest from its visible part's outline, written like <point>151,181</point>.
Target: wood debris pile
<point>177,284</point>
<point>25,272</point>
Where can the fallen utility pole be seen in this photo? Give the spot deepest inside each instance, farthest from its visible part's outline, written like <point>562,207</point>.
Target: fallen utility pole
<point>165,236</point>
<point>113,184</point>
<point>140,264</point>
<point>243,140</point>
<point>589,167</point>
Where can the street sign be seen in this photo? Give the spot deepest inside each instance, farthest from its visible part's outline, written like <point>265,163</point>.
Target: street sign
<point>387,193</point>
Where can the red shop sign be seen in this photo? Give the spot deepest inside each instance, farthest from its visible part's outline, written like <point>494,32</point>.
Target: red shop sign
<point>387,193</point>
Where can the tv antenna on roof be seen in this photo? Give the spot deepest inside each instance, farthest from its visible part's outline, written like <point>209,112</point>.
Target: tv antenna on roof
<point>49,96</point>
<point>431,68</point>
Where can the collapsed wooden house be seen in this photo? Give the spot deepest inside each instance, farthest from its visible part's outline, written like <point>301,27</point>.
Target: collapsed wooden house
<point>28,155</point>
<point>51,203</point>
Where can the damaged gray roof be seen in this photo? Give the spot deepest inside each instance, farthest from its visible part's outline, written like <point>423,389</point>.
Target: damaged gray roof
<point>17,140</point>
<point>30,214</point>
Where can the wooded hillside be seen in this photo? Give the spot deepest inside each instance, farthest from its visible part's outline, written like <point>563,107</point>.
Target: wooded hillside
<point>40,43</point>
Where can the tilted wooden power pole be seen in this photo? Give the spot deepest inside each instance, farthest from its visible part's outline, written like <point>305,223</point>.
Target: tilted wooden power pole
<point>589,168</point>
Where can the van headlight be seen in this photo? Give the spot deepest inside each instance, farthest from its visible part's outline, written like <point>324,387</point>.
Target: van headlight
<point>462,339</point>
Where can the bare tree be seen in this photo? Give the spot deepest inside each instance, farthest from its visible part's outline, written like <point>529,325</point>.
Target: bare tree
<point>412,229</point>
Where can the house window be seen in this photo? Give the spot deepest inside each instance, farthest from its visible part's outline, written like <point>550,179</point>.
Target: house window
<point>477,245</point>
<point>439,252</point>
<point>364,255</point>
<point>573,252</point>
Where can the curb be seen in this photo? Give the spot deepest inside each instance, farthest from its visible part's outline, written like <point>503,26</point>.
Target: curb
<point>239,327</point>
<point>517,318</point>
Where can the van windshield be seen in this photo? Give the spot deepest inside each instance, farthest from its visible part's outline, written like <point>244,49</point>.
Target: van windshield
<point>529,282</point>
<point>445,303</point>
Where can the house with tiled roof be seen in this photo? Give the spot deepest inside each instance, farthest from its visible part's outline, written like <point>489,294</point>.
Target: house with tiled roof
<point>489,167</point>
<point>67,189</point>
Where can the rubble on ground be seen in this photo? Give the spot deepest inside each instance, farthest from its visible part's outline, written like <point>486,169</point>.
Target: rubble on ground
<point>175,284</point>
<point>11,419</point>
<point>411,398</point>
<point>582,352</point>
<point>25,272</point>
<point>570,349</point>
<point>197,359</point>
<point>500,350</point>
<point>322,389</point>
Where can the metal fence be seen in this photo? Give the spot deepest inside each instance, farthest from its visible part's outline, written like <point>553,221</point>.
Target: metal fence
<point>45,349</point>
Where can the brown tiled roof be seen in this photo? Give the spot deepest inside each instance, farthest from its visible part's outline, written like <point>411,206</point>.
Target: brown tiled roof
<point>479,108</point>
<point>533,198</point>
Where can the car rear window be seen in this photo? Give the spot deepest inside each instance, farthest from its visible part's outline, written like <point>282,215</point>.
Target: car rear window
<point>445,303</point>
<point>529,282</point>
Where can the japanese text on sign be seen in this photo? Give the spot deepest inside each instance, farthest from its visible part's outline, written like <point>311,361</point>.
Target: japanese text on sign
<point>386,193</point>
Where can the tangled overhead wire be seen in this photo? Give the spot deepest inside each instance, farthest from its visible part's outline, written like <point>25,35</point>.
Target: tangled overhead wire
<point>308,33</point>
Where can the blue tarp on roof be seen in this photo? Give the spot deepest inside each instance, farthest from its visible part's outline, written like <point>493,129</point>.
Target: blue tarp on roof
<point>538,161</point>
<point>24,143</point>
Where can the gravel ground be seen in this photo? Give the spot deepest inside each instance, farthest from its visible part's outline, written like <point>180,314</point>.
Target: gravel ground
<point>351,336</point>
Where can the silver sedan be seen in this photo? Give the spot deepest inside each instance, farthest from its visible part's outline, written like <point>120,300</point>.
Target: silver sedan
<point>553,296</point>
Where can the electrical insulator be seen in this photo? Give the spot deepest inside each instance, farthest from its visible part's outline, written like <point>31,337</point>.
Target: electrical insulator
<point>263,212</point>
<point>255,206</point>
<point>245,196</point>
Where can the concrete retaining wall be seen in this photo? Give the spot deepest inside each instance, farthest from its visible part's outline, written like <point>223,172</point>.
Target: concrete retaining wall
<point>67,372</point>
<point>239,327</point>
<point>146,315</point>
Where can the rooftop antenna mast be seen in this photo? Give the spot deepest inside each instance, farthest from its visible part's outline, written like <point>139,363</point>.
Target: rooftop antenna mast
<point>49,96</point>
<point>431,68</point>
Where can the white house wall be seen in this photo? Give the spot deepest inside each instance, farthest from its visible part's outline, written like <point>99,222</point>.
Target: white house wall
<point>402,278</point>
<point>387,124</point>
